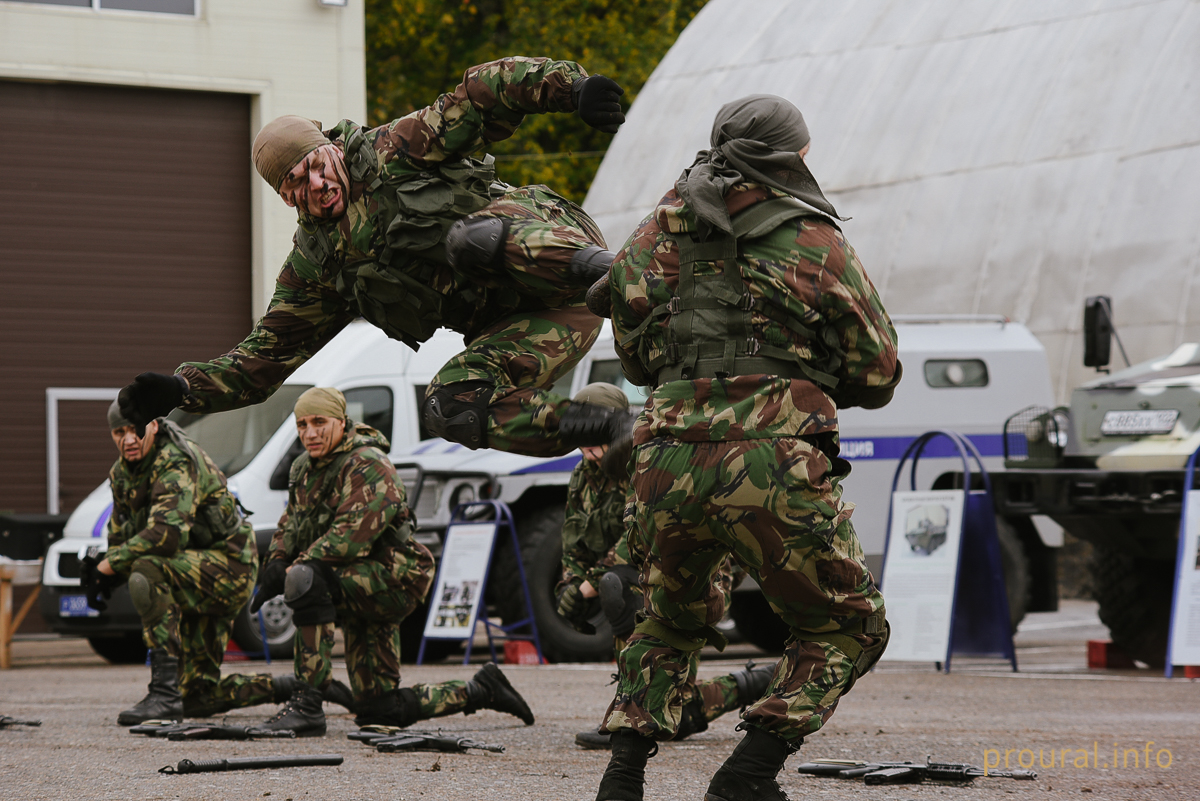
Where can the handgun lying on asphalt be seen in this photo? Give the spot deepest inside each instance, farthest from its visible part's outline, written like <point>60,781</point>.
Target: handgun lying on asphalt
<point>906,772</point>
<point>5,720</point>
<point>206,731</point>
<point>251,763</point>
<point>390,739</point>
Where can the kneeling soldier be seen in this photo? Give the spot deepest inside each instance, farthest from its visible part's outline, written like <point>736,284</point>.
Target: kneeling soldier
<point>178,535</point>
<point>344,552</point>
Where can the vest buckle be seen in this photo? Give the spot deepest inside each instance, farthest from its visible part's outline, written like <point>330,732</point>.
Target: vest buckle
<point>752,346</point>
<point>747,302</point>
<point>673,305</point>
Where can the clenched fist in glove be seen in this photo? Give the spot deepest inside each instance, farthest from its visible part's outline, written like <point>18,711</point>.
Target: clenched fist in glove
<point>598,103</point>
<point>150,396</point>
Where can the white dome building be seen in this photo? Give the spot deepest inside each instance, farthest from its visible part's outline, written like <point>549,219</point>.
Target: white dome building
<point>1004,158</point>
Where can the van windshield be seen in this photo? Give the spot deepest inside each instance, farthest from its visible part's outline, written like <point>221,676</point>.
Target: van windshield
<point>235,437</point>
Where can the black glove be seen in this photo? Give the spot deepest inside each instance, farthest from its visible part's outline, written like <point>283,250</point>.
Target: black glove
<point>576,609</point>
<point>596,100</point>
<point>270,583</point>
<point>96,584</point>
<point>151,395</point>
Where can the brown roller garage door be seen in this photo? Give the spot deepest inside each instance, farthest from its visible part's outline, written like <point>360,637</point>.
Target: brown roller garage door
<point>124,246</point>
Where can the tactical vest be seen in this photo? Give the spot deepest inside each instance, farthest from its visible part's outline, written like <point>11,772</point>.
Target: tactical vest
<point>414,212</point>
<point>310,525</point>
<point>709,332</point>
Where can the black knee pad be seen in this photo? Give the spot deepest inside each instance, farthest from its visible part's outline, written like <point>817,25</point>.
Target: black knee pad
<point>619,599</point>
<point>306,591</point>
<point>458,412</point>
<point>478,242</point>
<point>148,590</point>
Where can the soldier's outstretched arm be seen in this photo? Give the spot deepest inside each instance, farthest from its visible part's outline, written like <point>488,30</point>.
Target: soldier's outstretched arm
<point>172,511</point>
<point>368,499</point>
<point>491,102</point>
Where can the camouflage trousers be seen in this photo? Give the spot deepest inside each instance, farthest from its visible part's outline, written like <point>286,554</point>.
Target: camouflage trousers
<point>520,355</point>
<point>375,598</point>
<point>197,596</point>
<point>774,506</point>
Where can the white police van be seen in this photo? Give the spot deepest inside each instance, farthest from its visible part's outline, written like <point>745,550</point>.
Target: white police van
<point>967,374</point>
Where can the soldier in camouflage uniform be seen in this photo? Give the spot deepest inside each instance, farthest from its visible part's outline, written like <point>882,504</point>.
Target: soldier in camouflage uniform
<point>602,557</point>
<point>344,552</point>
<point>399,225</point>
<point>741,304</point>
<point>179,536</point>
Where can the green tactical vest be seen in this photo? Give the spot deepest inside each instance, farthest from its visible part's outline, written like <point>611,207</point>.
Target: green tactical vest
<point>414,212</point>
<point>709,332</point>
<point>309,525</point>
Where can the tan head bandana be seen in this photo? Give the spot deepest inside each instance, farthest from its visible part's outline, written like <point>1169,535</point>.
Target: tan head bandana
<point>325,401</point>
<point>115,418</point>
<point>282,143</point>
<point>602,394</point>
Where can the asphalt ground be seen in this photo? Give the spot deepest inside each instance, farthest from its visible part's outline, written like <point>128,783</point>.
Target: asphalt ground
<point>980,711</point>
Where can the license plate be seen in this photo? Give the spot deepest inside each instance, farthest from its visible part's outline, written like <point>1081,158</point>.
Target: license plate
<point>1151,421</point>
<point>75,606</point>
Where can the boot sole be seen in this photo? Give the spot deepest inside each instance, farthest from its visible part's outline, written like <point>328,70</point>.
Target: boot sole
<point>593,745</point>
<point>137,721</point>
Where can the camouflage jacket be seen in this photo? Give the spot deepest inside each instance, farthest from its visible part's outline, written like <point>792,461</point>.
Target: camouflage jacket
<point>383,259</point>
<point>345,506</point>
<point>175,498</point>
<point>803,271</point>
<point>593,525</point>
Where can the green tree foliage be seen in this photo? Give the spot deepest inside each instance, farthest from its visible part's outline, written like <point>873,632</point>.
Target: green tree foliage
<point>417,49</point>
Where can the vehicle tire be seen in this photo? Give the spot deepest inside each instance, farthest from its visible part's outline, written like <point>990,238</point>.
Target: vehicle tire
<point>125,649</point>
<point>411,632</point>
<point>277,620</point>
<point>1135,602</point>
<point>1018,578</point>
<point>758,622</point>
<point>540,534</point>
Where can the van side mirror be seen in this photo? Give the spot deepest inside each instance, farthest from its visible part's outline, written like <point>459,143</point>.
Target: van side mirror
<point>1097,331</point>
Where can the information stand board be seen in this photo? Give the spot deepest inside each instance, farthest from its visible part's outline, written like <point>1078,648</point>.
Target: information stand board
<point>1183,639</point>
<point>458,591</point>
<point>942,578</point>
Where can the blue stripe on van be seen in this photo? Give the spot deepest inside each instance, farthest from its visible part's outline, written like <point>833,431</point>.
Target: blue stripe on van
<point>98,529</point>
<point>853,449</point>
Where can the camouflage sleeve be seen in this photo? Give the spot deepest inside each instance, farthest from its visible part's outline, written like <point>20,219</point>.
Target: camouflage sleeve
<point>577,557</point>
<point>276,549</point>
<point>630,296</point>
<point>305,313</point>
<point>486,107</point>
<point>173,497</point>
<point>871,370</point>
<point>370,497</point>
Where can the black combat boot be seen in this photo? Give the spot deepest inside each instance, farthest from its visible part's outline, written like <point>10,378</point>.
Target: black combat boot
<point>163,702</point>
<point>625,777</point>
<point>749,773</point>
<point>301,714</point>
<point>400,708</point>
<point>489,689</point>
<point>594,740</point>
<point>752,682</point>
<point>338,693</point>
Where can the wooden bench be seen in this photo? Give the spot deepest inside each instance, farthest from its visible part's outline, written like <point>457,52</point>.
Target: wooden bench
<point>14,575</point>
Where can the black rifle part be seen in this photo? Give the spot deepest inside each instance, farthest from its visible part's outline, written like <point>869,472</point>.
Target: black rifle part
<point>205,731</point>
<point>875,773</point>
<point>5,720</point>
<point>251,763</point>
<point>390,739</point>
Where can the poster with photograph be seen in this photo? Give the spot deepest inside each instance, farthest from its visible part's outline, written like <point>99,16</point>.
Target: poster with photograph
<point>455,597</point>
<point>1185,618</point>
<point>920,572</point>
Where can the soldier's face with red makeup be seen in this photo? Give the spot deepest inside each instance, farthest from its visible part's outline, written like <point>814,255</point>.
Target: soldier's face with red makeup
<point>320,434</point>
<point>132,447</point>
<point>319,185</point>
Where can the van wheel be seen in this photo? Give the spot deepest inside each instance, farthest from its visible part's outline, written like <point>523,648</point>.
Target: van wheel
<point>277,620</point>
<point>1018,579</point>
<point>1135,602</point>
<point>540,534</point>
<point>126,649</point>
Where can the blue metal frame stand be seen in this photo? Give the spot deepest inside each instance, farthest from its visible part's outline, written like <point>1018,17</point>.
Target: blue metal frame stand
<point>502,517</point>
